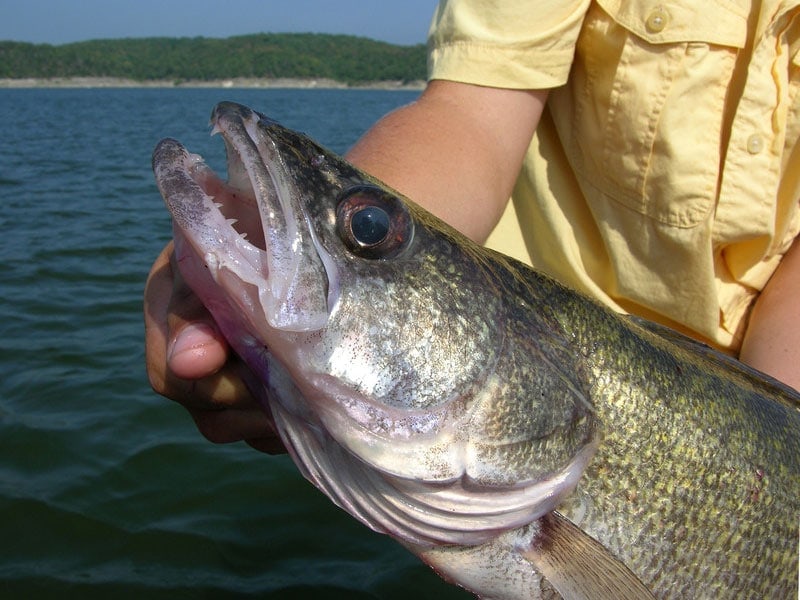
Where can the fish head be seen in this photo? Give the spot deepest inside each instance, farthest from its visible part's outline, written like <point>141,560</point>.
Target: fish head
<point>376,331</point>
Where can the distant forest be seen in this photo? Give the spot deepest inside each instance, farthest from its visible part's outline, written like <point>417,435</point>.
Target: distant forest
<point>348,59</point>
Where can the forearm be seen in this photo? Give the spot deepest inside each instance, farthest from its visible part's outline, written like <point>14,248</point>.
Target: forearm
<point>772,341</point>
<point>456,151</point>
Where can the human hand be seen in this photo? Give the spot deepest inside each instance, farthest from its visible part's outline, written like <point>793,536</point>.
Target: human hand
<point>189,362</point>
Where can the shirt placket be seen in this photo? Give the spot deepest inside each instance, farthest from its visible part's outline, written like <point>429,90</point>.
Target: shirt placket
<point>751,171</point>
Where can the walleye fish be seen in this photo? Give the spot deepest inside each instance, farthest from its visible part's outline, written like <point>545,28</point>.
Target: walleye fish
<point>518,437</point>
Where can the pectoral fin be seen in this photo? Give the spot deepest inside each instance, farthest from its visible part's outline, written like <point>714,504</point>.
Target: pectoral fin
<point>578,566</point>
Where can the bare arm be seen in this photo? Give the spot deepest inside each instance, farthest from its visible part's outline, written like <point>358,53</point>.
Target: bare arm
<point>772,341</point>
<point>457,150</point>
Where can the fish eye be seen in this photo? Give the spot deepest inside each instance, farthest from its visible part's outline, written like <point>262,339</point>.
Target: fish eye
<point>369,225</point>
<point>372,222</point>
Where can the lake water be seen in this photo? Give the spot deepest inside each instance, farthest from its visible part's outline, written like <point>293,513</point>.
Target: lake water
<point>106,489</point>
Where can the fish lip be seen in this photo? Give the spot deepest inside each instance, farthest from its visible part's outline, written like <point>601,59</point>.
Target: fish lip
<point>268,244</point>
<point>209,252</point>
<point>187,185</point>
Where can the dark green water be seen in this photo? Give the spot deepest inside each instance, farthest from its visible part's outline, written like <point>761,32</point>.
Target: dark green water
<point>107,490</point>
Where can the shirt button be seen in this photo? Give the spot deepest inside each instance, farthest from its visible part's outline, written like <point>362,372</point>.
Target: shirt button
<point>755,143</point>
<point>656,20</point>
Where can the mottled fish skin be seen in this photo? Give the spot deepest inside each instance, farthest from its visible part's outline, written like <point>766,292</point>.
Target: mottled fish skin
<point>452,397</point>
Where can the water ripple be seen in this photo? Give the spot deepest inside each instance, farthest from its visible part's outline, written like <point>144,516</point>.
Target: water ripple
<point>107,490</point>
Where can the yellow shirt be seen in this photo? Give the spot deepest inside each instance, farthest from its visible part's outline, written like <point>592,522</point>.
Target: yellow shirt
<point>664,178</point>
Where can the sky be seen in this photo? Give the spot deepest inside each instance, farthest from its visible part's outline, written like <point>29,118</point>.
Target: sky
<point>64,21</point>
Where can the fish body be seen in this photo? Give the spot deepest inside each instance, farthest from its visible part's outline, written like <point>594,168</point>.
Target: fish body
<point>517,436</point>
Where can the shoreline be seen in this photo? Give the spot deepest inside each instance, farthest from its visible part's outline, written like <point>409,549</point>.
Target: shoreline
<point>232,83</point>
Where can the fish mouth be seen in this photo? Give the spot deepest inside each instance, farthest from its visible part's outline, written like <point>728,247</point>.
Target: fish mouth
<point>251,231</point>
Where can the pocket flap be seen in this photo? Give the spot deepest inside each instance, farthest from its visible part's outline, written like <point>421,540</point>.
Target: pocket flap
<point>659,22</point>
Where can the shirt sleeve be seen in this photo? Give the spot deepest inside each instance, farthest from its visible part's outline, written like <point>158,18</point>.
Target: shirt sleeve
<point>517,44</point>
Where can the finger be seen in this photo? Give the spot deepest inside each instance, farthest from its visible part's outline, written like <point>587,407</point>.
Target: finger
<point>267,445</point>
<point>188,361</point>
<point>157,293</point>
<point>254,426</point>
<point>196,348</point>
<point>222,390</point>
<point>204,383</point>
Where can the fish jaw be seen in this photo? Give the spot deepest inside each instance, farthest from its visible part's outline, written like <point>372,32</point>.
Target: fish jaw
<point>278,274</point>
<point>418,512</point>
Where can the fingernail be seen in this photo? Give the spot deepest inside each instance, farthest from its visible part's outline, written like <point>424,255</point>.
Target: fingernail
<point>192,338</point>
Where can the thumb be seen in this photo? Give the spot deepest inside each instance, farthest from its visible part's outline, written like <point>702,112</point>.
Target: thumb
<point>196,347</point>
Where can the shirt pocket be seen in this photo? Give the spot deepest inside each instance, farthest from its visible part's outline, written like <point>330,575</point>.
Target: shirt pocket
<point>642,114</point>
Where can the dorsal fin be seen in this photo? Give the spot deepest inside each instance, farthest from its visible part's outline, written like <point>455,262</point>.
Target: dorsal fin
<point>578,566</point>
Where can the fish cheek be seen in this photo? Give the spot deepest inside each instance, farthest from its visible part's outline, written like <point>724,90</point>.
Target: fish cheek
<point>404,348</point>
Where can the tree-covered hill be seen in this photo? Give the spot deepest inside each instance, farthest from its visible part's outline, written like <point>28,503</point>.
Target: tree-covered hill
<point>342,58</point>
